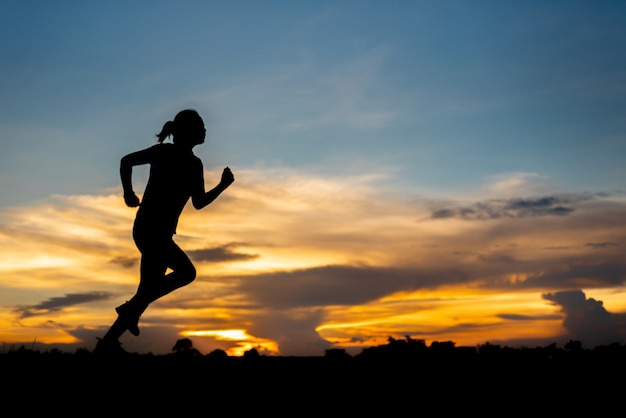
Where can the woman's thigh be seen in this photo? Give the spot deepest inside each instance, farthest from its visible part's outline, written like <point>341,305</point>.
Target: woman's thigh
<point>160,253</point>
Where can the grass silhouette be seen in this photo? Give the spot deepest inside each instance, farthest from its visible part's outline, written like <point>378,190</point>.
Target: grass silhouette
<point>403,375</point>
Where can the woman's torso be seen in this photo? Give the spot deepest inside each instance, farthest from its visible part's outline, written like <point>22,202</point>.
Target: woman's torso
<point>174,173</point>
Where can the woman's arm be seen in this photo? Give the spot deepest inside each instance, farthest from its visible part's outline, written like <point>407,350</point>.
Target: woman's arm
<point>202,200</point>
<point>126,170</point>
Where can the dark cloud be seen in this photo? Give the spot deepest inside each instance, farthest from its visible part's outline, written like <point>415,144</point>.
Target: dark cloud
<point>220,254</point>
<point>558,205</point>
<point>359,284</point>
<point>580,274</point>
<point>126,262</point>
<point>223,253</point>
<point>519,317</point>
<point>293,331</point>
<point>587,320</point>
<point>339,285</point>
<point>600,245</point>
<point>497,259</point>
<point>58,303</point>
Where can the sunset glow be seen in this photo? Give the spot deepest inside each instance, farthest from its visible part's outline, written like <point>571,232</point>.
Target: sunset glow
<point>445,171</point>
<point>266,276</point>
<point>244,341</point>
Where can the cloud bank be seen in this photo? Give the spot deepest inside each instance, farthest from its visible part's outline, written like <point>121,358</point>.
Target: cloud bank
<point>293,264</point>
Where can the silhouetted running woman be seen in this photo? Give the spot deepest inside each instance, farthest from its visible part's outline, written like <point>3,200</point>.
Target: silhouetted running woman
<point>176,175</point>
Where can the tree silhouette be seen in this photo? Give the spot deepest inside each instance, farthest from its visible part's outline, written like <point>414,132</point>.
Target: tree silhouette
<point>218,353</point>
<point>184,346</point>
<point>251,354</point>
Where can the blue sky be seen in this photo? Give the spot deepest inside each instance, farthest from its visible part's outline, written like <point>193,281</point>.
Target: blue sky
<point>446,94</point>
<point>475,110</point>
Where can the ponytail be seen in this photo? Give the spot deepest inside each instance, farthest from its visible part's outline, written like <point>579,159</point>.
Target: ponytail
<point>180,125</point>
<point>167,130</point>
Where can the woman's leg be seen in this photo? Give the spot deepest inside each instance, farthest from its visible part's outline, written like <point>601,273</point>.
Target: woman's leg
<point>152,268</point>
<point>151,271</point>
<point>154,283</point>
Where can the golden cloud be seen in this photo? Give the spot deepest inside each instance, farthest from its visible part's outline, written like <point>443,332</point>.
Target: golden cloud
<point>349,262</point>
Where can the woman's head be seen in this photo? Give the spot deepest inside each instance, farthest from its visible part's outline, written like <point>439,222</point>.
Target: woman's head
<point>187,128</point>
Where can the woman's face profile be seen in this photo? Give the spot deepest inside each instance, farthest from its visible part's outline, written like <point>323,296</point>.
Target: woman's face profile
<point>193,132</point>
<point>199,132</point>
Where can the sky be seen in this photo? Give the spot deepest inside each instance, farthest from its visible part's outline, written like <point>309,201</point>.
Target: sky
<point>443,170</point>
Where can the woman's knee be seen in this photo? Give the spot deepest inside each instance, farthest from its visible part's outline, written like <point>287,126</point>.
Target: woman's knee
<point>189,274</point>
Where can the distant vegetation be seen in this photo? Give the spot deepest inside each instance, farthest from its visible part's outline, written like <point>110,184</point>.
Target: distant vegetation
<point>404,375</point>
<point>407,349</point>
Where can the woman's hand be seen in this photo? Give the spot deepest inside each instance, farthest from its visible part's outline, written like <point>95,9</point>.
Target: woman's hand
<point>227,177</point>
<point>131,200</point>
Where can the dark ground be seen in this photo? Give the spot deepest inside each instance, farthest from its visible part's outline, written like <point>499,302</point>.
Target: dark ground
<point>403,377</point>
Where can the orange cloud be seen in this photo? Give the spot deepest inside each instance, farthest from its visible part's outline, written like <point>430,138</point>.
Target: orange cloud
<point>302,263</point>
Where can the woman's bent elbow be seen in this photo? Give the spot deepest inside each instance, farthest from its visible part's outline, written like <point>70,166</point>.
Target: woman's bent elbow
<point>198,203</point>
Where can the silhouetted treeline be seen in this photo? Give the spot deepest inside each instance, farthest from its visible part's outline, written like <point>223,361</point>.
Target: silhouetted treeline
<point>409,349</point>
<point>404,375</point>
<point>396,350</point>
<point>398,356</point>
